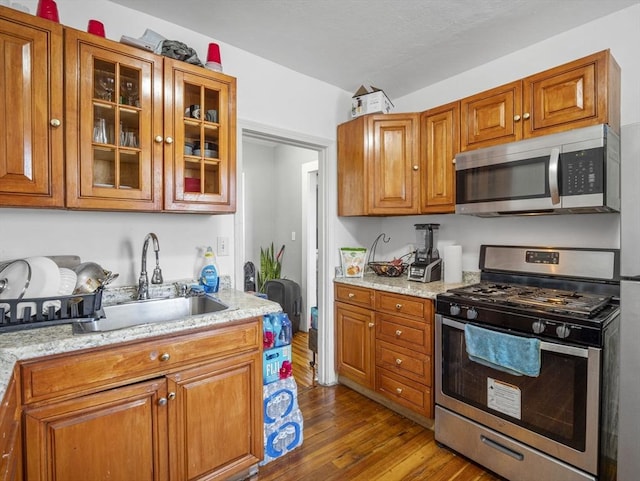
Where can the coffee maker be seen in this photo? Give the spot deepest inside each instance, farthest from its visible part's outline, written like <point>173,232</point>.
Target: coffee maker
<point>427,266</point>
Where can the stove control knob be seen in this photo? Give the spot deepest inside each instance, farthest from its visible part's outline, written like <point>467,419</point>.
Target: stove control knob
<point>454,309</point>
<point>472,313</point>
<point>563,331</point>
<point>538,326</point>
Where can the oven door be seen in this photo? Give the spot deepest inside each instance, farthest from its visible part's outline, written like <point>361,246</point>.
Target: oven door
<point>556,412</point>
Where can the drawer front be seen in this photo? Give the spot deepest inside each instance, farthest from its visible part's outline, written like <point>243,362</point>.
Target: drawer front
<point>91,371</point>
<point>404,362</point>
<point>414,335</point>
<point>354,295</point>
<point>403,305</point>
<point>407,393</point>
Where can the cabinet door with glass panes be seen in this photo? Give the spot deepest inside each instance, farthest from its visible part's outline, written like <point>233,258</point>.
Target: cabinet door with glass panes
<point>114,136</point>
<point>200,165</point>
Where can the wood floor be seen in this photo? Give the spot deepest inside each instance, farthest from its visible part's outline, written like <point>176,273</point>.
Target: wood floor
<point>349,437</point>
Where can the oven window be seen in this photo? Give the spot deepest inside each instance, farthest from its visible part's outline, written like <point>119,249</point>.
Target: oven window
<point>552,404</point>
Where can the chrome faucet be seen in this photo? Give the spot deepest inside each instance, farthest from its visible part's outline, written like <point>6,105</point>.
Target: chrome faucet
<point>156,278</point>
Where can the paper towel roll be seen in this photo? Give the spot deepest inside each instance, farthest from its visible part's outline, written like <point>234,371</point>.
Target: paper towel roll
<point>452,264</point>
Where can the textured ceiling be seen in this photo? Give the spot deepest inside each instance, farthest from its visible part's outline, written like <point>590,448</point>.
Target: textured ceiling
<point>398,45</point>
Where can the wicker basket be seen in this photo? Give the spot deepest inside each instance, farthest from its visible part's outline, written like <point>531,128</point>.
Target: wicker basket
<point>388,269</point>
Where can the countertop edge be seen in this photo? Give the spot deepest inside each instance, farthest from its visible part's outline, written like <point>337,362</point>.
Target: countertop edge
<point>31,343</point>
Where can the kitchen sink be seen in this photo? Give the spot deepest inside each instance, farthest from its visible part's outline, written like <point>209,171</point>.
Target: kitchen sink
<point>147,311</point>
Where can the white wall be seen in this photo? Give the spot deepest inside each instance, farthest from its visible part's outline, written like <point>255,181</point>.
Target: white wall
<point>621,33</point>
<point>267,93</point>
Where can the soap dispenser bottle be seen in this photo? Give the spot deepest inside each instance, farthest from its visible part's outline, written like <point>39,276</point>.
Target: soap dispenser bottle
<point>209,278</point>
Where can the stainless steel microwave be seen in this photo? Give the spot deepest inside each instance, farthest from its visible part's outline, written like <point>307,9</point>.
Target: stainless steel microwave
<point>577,171</point>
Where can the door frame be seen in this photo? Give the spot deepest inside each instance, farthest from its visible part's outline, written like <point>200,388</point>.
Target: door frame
<point>326,149</point>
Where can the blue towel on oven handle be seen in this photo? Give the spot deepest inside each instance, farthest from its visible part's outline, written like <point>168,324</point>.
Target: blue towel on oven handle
<point>514,354</point>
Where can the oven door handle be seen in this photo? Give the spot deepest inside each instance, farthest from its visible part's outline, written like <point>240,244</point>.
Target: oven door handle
<point>544,345</point>
<point>554,159</point>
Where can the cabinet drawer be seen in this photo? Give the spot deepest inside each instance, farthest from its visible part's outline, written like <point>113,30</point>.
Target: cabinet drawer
<point>403,305</point>
<point>414,335</point>
<point>404,362</point>
<point>354,295</point>
<point>97,369</point>
<point>405,392</point>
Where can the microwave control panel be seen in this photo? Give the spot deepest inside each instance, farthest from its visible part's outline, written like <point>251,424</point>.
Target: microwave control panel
<point>582,172</point>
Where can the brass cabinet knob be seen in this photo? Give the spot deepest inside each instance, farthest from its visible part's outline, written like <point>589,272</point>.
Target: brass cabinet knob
<point>398,333</point>
<point>398,361</point>
<point>398,306</point>
<point>171,396</point>
<point>351,295</point>
<point>371,324</point>
<point>55,122</point>
<point>526,115</point>
<point>415,167</point>
<point>399,390</point>
<point>165,357</point>
<point>158,139</point>
<point>516,118</point>
<point>169,140</point>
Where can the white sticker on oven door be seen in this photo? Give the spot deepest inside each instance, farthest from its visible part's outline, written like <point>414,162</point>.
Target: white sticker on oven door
<point>503,397</point>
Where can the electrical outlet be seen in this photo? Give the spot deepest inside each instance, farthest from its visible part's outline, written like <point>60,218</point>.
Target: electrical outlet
<point>223,246</point>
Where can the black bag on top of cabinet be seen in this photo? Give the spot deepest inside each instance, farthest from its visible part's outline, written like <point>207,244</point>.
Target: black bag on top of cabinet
<point>286,293</point>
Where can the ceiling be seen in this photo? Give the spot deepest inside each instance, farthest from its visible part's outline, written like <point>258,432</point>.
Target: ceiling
<point>399,46</point>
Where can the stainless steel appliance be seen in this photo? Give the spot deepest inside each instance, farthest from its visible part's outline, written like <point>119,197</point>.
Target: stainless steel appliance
<point>527,362</point>
<point>628,458</point>
<point>427,266</point>
<point>570,172</point>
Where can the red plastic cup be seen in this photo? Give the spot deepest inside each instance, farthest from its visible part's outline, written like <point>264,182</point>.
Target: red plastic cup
<point>213,54</point>
<point>96,27</point>
<point>48,9</point>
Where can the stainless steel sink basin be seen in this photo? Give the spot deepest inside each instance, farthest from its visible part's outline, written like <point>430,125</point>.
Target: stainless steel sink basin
<point>148,311</point>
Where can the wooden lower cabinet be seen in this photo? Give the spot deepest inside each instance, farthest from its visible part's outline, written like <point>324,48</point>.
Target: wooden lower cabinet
<point>118,434</point>
<point>10,435</point>
<point>196,419</point>
<point>386,348</point>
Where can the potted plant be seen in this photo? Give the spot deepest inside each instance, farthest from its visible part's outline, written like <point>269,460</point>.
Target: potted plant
<point>270,265</point>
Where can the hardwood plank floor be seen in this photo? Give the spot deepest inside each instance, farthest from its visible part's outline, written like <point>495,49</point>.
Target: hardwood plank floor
<point>349,437</point>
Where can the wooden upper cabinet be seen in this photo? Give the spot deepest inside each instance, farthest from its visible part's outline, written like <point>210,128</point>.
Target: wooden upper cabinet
<point>489,118</point>
<point>31,111</point>
<point>200,161</point>
<point>114,125</point>
<point>577,94</point>
<point>439,143</point>
<point>378,165</point>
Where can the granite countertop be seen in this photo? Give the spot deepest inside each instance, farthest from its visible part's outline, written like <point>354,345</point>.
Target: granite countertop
<point>401,285</point>
<point>31,343</point>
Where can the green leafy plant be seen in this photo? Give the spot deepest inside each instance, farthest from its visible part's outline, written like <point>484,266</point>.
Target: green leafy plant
<point>270,265</point>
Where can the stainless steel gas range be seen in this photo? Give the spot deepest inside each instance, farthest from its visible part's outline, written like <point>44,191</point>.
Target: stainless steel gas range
<point>527,363</point>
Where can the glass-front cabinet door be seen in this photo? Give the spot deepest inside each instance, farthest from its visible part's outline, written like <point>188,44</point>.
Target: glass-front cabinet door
<point>114,118</point>
<point>200,171</point>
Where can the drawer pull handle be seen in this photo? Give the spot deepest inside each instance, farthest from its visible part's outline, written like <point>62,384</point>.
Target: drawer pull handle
<point>399,390</point>
<point>371,324</point>
<point>398,361</point>
<point>165,357</point>
<point>351,295</point>
<point>398,306</point>
<point>398,333</point>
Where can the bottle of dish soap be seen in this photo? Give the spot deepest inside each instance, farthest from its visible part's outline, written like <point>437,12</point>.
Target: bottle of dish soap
<point>209,278</point>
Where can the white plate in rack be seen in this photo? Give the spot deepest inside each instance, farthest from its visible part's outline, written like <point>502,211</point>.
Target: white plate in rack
<point>45,281</point>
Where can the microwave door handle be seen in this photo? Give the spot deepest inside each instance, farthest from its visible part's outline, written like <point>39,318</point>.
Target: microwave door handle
<point>554,159</point>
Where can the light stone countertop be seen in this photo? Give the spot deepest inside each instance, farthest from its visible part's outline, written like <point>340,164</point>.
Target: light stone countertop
<point>401,285</point>
<point>30,343</point>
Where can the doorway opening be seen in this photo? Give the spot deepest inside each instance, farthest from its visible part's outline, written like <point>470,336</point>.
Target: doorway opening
<point>306,241</point>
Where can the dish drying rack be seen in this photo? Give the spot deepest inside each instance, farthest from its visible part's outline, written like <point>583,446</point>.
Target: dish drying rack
<point>29,313</point>
<point>73,307</point>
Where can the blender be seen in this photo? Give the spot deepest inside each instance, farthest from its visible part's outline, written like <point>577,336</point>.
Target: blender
<point>427,266</point>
